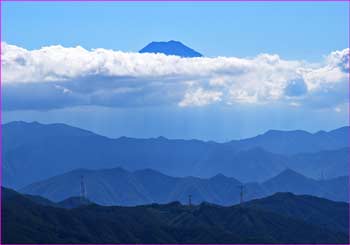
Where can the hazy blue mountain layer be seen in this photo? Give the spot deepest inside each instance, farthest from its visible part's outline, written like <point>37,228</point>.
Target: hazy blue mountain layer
<point>120,187</point>
<point>33,152</point>
<point>296,141</point>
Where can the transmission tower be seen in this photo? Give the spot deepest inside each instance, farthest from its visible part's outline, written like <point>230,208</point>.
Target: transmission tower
<point>241,193</point>
<point>190,200</point>
<point>82,188</point>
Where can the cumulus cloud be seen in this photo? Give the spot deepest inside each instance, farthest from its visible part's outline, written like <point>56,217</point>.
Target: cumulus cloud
<point>200,97</point>
<point>57,77</point>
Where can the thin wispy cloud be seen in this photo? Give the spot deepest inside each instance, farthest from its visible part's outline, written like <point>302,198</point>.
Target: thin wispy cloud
<point>59,77</point>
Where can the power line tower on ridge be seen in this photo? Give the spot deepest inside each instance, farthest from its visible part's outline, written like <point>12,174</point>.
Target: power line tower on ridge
<point>82,188</point>
<point>190,200</point>
<point>241,193</point>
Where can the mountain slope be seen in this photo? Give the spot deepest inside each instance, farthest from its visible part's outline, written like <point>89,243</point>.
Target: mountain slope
<point>74,202</point>
<point>27,222</point>
<point>290,181</point>
<point>120,187</point>
<point>313,210</point>
<point>253,164</point>
<point>170,48</point>
<point>324,164</point>
<point>71,202</point>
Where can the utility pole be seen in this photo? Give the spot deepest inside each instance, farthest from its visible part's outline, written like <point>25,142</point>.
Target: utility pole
<point>190,200</point>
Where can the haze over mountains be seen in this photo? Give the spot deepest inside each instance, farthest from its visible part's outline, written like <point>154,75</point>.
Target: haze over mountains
<point>45,163</point>
<point>120,187</point>
<point>277,219</point>
<point>34,152</point>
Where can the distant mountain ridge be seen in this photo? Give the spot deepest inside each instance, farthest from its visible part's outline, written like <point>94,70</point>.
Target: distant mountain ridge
<point>120,187</point>
<point>170,48</point>
<point>34,151</point>
<point>70,202</point>
<point>25,221</point>
<point>297,141</point>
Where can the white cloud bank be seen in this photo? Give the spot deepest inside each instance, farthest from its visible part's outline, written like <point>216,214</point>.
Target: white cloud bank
<point>56,77</point>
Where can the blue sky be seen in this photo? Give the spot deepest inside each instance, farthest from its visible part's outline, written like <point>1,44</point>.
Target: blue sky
<point>298,84</point>
<point>292,30</point>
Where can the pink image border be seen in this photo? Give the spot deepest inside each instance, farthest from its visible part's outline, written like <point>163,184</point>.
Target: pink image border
<point>218,1</point>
